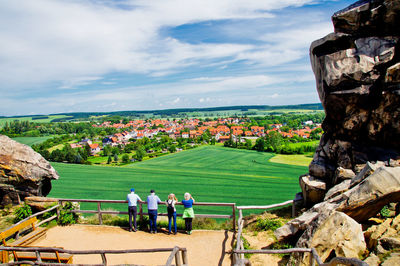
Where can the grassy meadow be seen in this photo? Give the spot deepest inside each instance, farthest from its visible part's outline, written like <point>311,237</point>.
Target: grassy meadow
<point>46,119</point>
<point>32,140</point>
<point>210,173</point>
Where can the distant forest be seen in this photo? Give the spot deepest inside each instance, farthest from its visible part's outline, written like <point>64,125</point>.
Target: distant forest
<point>170,112</point>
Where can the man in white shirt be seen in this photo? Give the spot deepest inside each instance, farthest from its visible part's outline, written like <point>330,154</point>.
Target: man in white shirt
<point>132,199</point>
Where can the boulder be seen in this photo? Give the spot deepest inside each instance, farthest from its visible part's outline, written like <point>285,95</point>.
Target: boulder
<point>368,169</point>
<point>357,70</point>
<point>331,236</point>
<point>368,197</point>
<point>393,259</point>
<point>23,172</point>
<point>390,243</point>
<point>372,260</point>
<point>338,189</point>
<point>361,202</point>
<point>343,174</point>
<point>313,189</point>
<point>373,233</point>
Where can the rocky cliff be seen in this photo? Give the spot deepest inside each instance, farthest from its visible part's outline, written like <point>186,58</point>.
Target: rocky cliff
<point>23,172</point>
<point>357,70</point>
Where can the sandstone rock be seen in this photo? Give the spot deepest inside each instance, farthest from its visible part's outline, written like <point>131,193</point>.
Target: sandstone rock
<point>390,243</point>
<point>40,203</point>
<point>376,17</point>
<point>337,234</point>
<point>343,174</point>
<point>393,74</point>
<point>393,259</point>
<point>368,169</point>
<point>338,189</point>
<point>23,172</point>
<point>313,189</point>
<point>368,197</point>
<point>372,260</point>
<point>360,202</point>
<point>375,232</point>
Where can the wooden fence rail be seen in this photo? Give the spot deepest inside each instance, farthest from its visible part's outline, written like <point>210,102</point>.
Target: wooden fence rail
<point>100,212</point>
<point>174,254</point>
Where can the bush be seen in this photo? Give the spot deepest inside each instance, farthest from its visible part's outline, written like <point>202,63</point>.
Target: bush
<point>22,212</point>
<point>268,224</point>
<point>67,217</point>
<point>385,212</point>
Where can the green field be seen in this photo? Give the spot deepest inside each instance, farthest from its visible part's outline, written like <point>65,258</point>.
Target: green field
<point>29,118</point>
<point>293,159</point>
<point>211,174</point>
<point>31,140</point>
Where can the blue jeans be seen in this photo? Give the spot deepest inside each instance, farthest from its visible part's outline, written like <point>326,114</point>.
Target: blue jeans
<point>170,216</point>
<point>153,220</point>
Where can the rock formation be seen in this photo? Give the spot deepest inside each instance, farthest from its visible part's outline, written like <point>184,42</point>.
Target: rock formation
<point>355,171</point>
<point>23,172</point>
<point>357,71</point>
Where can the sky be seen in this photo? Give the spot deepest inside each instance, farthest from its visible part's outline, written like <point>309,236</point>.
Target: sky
<point>61,56</point>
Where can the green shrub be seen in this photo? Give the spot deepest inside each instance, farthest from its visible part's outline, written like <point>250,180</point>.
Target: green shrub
<point>67,217</point>
<point>22,212</point>
<point>268,224</point>
<point>385,212</point>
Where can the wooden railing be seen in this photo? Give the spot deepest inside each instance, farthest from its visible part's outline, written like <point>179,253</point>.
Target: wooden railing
<point>100,212</point>
<point>174,256</point>
<point>239,251</point>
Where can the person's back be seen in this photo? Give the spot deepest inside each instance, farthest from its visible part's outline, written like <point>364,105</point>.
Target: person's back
<point>152,206</point>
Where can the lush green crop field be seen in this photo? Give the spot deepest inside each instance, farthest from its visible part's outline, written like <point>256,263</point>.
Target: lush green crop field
<point>211,174</point>
<point>29,118</point>
<point>31,140</point>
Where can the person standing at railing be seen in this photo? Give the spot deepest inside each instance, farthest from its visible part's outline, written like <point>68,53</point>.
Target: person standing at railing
<point>188,213</point>
<point>170,202</point>
<point>152,205</point>
<point>132,199</point>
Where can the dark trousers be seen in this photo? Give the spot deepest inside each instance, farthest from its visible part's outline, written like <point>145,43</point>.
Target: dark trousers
<point>170,216</point>
<point>153,220</point>
<point>188,224</point>
<point>132,210</point>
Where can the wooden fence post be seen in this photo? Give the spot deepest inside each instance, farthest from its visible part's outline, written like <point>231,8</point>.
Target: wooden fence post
<point>99,212</point>
<point>140,211</point>
<point>234,217</point>
<point>185,257</point>
<point>293,209</point>
<point>177,259</point>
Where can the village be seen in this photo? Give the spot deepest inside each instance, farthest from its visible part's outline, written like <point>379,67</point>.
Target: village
<point>219,130</point>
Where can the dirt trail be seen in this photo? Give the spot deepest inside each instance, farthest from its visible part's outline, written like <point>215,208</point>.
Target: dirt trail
<point>204,247</point>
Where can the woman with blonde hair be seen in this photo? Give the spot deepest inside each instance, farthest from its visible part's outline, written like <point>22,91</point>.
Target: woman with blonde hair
<point>170,202</point>
<point>188,213</point>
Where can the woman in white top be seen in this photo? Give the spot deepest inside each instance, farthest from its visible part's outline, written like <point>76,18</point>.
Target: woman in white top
<point>171,211</point>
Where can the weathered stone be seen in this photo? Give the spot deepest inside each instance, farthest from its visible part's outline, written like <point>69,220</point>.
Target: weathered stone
<point>342,174</point>
<point>390,243</point>
<point>393,259</point>
<point>393,74</point>
<point>372,260</point>
<point>368,197</point>
<point>377,17</point>
<point>313,189</point>
<point>338,189</point>
<point>375,232</point>
<point>337,233</point>
<point>360,202</point>
<point>40,203</point>
<point>366,171</point>
<point>23,171</point>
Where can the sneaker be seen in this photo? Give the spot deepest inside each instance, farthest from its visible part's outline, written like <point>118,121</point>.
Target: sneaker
<point>190,232</point>
<point>151,232</point>
<point>175,233</point>
<point>169,233</point>
<point>134,230</point>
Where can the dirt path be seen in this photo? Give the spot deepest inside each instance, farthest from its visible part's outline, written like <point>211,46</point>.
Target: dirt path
<point>204,247</point>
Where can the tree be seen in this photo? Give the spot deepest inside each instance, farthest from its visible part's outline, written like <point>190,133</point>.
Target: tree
<point>115,157</point>
<point>109,160</point>
<point>125,158</point>
<point>260,144</point>
<point>172,149</point>
<point>140,152</point>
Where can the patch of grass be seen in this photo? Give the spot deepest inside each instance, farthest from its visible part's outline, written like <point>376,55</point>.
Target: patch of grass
<point>32,140</point>
<point>268,224</point>
<point>293,159</point>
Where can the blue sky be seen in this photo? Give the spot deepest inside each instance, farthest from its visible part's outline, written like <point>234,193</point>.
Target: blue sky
<point>97,55</point>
